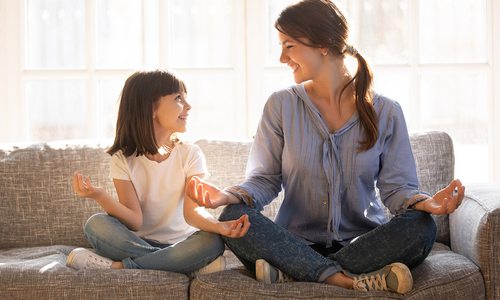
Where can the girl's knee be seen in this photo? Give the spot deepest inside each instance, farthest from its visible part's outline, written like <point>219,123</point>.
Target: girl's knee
<point>97,224</point>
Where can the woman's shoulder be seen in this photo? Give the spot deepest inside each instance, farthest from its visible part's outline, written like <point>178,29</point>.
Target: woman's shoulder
<point>385,105</point>
<point>285,97</point>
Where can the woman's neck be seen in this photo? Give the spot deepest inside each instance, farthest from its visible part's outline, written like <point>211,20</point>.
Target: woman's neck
<point>329,85</point>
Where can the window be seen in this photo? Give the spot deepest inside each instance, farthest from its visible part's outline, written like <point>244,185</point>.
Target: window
<point>66,62</point>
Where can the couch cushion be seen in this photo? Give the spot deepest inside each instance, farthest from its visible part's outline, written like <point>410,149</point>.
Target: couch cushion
<point>443,275</point>
<point>40,273</point>
<point>435,160</point>
<point>37,203</point>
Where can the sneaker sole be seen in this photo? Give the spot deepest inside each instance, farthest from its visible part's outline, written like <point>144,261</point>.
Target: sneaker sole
<point>403,274</point>
<point>262,272</point>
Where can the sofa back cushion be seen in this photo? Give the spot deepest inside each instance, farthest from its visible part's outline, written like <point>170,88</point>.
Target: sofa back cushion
<point>37,203</point>
<point>38,206</point>
<point>435,160</point>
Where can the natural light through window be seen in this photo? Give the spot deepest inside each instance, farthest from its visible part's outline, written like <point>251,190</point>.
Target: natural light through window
<point>68,59</point>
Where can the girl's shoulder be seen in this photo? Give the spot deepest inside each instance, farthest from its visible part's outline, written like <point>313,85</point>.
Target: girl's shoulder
<point>187,148</point>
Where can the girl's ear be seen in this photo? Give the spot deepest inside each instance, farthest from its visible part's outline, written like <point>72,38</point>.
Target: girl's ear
<point>324,51</point>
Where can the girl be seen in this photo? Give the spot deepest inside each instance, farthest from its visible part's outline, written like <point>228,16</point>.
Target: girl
<point>329,141</point>
<point>152,225</point>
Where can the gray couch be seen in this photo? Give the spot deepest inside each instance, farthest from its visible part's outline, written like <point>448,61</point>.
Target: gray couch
<point>41,222</point>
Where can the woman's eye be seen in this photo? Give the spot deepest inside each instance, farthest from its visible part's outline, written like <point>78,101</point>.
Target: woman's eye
<point>289,46</point>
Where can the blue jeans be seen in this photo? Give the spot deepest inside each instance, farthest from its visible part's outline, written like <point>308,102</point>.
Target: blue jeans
<point>114,240</point>
<point>407,238</point>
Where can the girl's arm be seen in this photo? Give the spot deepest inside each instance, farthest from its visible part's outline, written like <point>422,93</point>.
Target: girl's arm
<point>126,209</point>
<point>198,217</point>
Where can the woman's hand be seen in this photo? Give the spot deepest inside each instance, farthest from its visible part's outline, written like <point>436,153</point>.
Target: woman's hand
<point>206,194</point>
<point>234,228</point>
<point>444,201</point>
<point>84,188</point>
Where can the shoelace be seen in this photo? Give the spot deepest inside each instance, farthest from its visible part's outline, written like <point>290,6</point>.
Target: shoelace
<point>373,282</point>
<point>282,277</point>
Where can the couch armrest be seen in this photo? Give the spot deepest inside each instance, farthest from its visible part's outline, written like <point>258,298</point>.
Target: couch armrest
<point>475,233</point>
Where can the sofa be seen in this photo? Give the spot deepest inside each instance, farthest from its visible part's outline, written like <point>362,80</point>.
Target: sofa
<point>41,222</point>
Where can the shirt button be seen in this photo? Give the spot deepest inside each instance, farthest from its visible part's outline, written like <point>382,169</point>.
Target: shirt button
<point>324,202</point>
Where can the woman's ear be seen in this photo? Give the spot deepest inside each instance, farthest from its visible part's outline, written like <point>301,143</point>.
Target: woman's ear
<point>324,51</point>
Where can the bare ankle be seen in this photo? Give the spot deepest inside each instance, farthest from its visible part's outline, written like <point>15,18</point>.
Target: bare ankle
<point>117,265</point>
<point>340,279</point>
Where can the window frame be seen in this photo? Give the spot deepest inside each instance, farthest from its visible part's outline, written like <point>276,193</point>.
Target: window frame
<point>249,72</point>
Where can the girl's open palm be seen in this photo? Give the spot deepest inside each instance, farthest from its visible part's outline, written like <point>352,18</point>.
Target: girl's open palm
<point>205,194</point>
<point>83,187</point>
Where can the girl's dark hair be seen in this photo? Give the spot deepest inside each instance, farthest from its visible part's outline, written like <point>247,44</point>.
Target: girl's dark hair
<point>134,125</point>
<point>324,26</point>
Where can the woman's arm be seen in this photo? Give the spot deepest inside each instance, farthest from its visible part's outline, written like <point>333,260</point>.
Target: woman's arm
<point>126,209</point>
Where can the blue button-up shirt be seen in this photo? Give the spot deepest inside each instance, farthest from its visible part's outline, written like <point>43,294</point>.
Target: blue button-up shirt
<point>330,186</point>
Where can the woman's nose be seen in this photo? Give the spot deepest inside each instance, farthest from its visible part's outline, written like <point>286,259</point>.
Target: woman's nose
<point>283,57</point>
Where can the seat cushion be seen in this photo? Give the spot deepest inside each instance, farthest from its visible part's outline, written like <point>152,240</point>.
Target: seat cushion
<point>443,275</point>
<point>41,273</point>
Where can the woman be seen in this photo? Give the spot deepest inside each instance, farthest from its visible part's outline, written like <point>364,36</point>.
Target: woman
<point>329,142</point>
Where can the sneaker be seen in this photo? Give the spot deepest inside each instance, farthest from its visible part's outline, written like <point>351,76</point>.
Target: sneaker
<point>81,258</point>
<point>219,264</point>
<point>395,277</point>
<point>266,273</point>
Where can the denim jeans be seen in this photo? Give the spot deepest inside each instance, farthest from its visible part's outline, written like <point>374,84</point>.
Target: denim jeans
<point>112,239</point>
<point>406,238</point>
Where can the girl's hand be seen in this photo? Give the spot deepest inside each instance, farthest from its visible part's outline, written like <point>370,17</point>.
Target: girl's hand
<point>84,188</point>
<point>206,194</point>
<point>234,228</point>
<point>445,201</point>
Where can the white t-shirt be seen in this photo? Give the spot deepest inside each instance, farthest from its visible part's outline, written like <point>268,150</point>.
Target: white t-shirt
<point>160,189</point>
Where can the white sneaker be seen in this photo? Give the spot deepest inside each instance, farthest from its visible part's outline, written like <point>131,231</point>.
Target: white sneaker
<point>81,258</point>
<point>266,273</point>
<point>219,264</point>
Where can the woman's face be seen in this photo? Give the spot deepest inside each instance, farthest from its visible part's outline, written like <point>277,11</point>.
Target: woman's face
<point>304,61</point>
<point>171,112</point>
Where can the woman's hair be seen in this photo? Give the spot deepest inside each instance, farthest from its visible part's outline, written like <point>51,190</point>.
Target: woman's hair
<point>134,125</point>
<point>324,26</point>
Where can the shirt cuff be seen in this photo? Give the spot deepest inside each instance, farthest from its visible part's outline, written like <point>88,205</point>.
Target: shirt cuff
<point>410,203</point>
<point>240,194</point>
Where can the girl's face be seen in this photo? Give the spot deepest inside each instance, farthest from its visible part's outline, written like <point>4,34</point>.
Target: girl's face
<point>170,113</point>
<point>304,61</point>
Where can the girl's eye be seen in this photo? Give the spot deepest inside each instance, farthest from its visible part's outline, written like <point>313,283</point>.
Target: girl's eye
<point>289,46</point>
<point>178,98</point>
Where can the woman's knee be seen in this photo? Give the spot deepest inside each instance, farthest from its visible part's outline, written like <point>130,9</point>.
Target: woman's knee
<point>233,212</point>
<point>424,230</point>
<point>424,223</point>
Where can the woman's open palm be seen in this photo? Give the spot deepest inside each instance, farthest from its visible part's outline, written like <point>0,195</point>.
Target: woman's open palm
<point>446,200</point>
